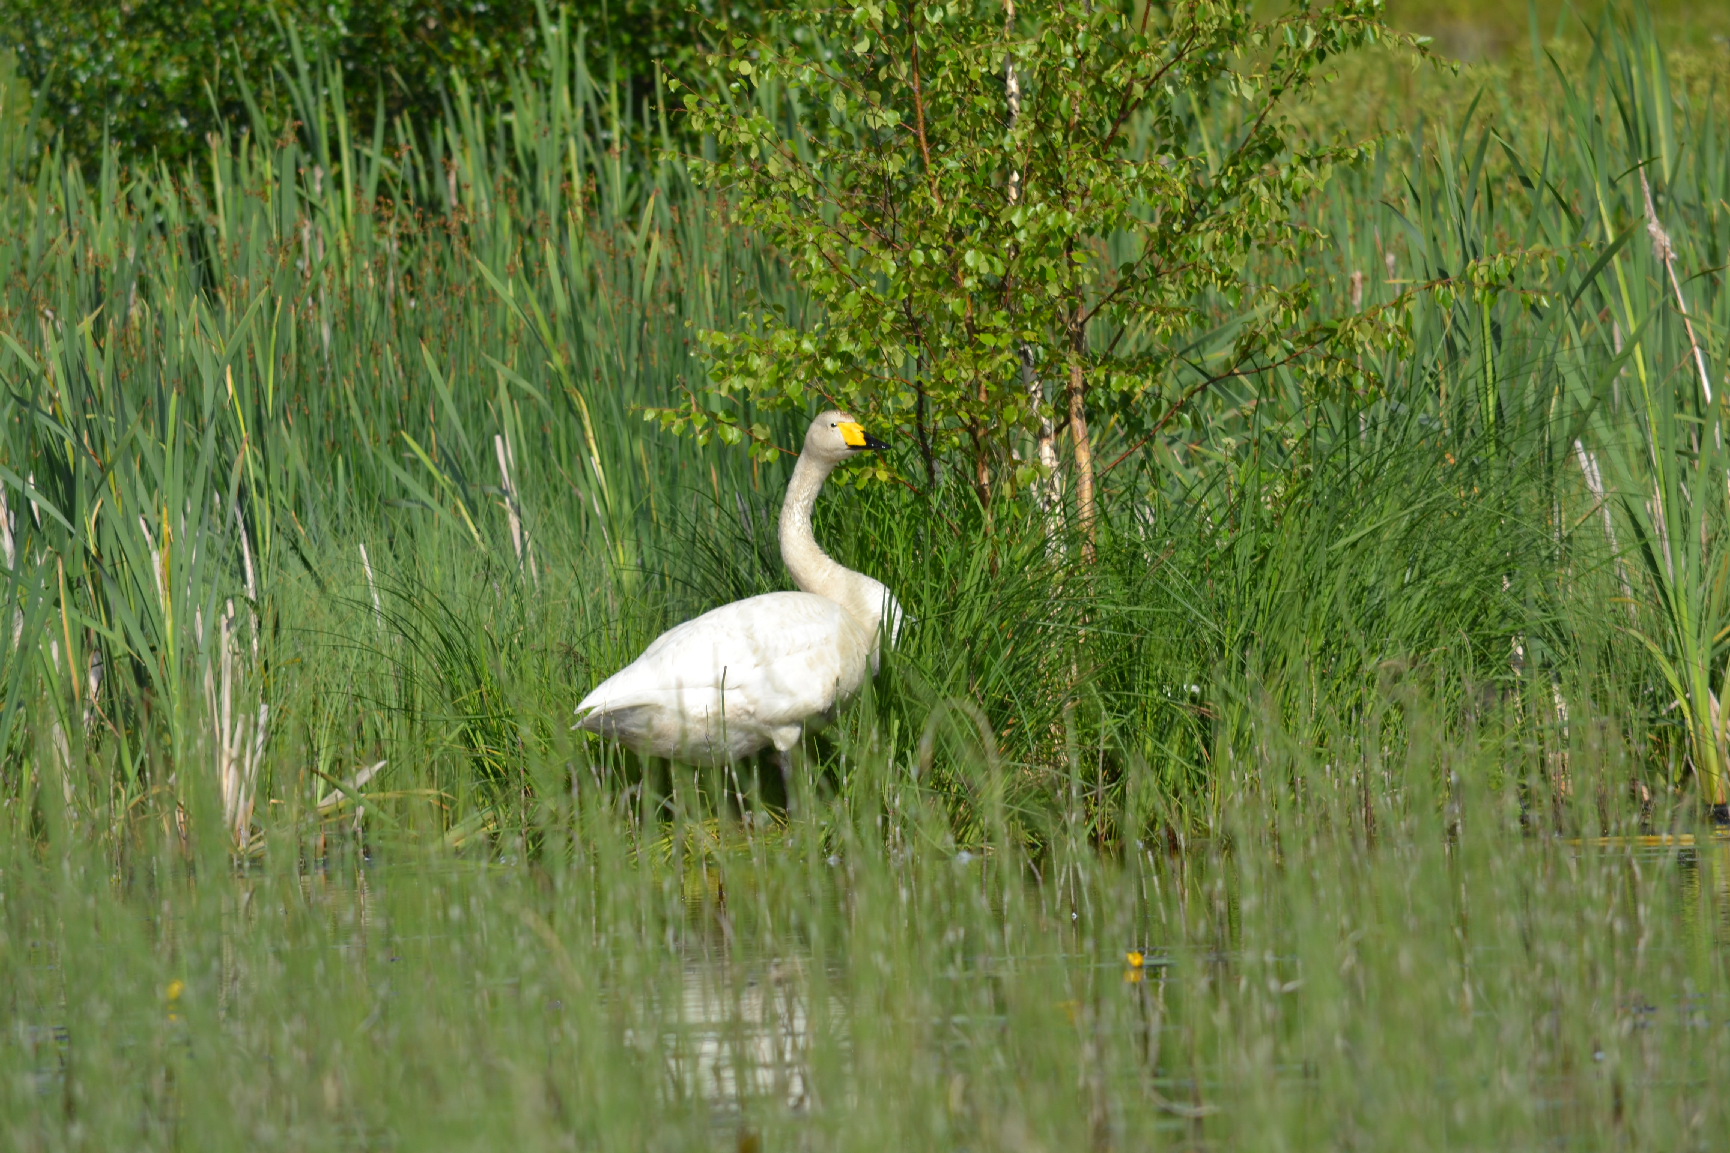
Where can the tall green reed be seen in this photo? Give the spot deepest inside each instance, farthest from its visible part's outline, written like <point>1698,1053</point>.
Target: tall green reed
<point>221,376</point>
<point>1497,509</point>
<point>777,985</point>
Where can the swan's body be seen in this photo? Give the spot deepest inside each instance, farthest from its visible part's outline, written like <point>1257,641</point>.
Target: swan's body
<point>756,672</point>
<point>724,685</point>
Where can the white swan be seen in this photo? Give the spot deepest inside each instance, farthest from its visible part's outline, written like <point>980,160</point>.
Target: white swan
<point>752,673</point>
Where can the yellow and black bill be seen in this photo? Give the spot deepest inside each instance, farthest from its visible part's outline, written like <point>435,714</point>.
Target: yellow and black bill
<point>860,440</point>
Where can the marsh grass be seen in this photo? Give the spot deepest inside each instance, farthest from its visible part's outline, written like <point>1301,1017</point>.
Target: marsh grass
<point>327,452</point>
<point>1390,967</point>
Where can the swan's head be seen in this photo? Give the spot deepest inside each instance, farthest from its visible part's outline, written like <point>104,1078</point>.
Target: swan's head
<point>835,436</point>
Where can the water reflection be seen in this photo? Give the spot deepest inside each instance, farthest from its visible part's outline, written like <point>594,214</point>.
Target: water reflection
<point>731,1029</point>
<point>1705,875</point>
<point>736,1032</point>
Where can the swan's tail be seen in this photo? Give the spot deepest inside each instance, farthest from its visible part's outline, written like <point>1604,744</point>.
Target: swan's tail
<point>614,722</point>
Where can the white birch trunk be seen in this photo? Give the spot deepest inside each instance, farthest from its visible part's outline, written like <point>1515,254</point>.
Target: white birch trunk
<point>1048,491</point>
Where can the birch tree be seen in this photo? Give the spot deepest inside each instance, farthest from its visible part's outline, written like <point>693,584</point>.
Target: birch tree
<point>981,196</point>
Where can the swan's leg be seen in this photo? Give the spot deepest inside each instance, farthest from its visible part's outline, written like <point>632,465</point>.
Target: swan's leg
<point>657,798</point>
<point>784,762</point>
<point>785,740</point>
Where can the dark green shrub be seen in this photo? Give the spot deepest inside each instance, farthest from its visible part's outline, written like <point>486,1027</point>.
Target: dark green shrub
<point>156,77</point>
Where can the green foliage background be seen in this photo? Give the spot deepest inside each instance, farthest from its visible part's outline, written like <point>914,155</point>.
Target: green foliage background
<point>156,76</point>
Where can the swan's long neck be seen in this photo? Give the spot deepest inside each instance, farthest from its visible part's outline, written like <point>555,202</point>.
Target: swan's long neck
<point>813,570</point>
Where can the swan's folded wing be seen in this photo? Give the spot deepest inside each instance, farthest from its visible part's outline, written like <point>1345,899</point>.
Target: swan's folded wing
<point>772,658</point>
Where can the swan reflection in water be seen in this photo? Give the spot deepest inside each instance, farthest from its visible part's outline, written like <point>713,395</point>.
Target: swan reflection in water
<point>729,1036</point>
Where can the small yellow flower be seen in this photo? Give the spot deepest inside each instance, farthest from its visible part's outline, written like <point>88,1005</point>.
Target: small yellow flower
<point>1135,960</point>
<point>175,989</point>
